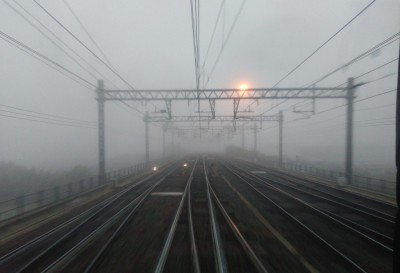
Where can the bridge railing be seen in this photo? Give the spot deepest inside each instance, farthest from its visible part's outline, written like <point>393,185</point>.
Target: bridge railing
<point>364,182</point>
<point>59,193</point>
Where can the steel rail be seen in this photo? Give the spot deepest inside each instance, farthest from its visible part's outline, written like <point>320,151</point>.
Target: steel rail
<point>26,267</point>
<point>193,245</point>
<point>339,197</point>
<point>168,241</point>
<point>245,245</point>
<point>388,241</point>
<point>67,257</point>
<point>266,184</point>
<point>95,210</point>
<point>285,212</point>
<point>95,261</point>
<point>219,253</point>
<point>325,198</point>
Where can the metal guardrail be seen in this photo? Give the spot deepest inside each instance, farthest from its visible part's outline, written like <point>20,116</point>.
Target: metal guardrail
<point>36,200</point>
<point>364,182</point>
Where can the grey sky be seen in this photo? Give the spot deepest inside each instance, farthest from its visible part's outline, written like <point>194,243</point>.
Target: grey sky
<point>150,44</point>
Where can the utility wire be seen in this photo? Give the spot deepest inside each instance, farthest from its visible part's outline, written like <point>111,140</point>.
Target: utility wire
<point>361,99</point>
<point>195,16</point>
<point>376,107</point>
<point>45,118</point>
<point>30,22</point>
<point>60,40</point>
<point>49,62</point>
<point>225,41</point>
<point>213,33</point>
<point>340,106</point>
<point>48,122</point>
<point>326,42</point>
<point>48,38</point>
<point>356,101</point>
<point>370,71</point>
<point>305,102</point>
<point>365,54</point>
<point>42,57</point>
<point>101,51</point>
<point>320,47</point>
<point>84,45</point>
<point>88,34</point>
<point>49,115</point>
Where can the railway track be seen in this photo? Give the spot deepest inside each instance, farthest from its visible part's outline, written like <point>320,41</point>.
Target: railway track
<point>188,237</point>
<point>373,223</point>
<point>357,251</point>
<point>48,251</point>
<point>212,216</point>
<point>137,243</point>
<point>370,204</point>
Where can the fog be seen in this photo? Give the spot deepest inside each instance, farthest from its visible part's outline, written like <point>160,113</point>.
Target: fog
<point>150,45</point>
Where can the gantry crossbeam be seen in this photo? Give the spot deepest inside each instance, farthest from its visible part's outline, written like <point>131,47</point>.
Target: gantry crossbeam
<point>226,94</point>
<point>210,118</point>
<point>347,92</point>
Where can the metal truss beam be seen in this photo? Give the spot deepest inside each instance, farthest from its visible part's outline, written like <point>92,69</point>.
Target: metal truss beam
<point>211,119</point>
<point>227,94</point>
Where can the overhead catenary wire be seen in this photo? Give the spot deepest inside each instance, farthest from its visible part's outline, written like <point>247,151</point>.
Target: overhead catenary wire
<point>356,101</point>
<point>46,60</point>
<point>48,38</point>
<point>225,41</point>
<point>339,106</point>
<point>88,34</point>
<point>195,16</point>
<point>83,44</point>
<point>321,46</point>
<point>59,40</point>
<point>45,63</point>
<point>101,51</point>
<point>43,59</point>
<point>49,122</point>
<point>388,41</point>
<point>358,58</point>
<point>213,34</point>
<point>45,118</point>
<point>372,70</point>
<point>59,117</point>
<point>324,43</point>
<point>103,54</point>
<point>49,62</point>
<point>304,102</point>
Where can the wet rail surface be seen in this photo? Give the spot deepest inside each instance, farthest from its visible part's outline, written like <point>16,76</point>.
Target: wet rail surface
<point>366,218</point>
<point>350,247</point>
<point>214,246</point>
<point>370,222</point>
<point>50,245</point>
<point>367,203</point>
<point>212,216</point>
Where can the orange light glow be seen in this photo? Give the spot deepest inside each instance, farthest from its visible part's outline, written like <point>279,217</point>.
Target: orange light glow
<point>243,86</point>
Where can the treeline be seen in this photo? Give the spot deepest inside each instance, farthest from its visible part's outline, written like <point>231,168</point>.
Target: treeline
<point>18,180</point>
